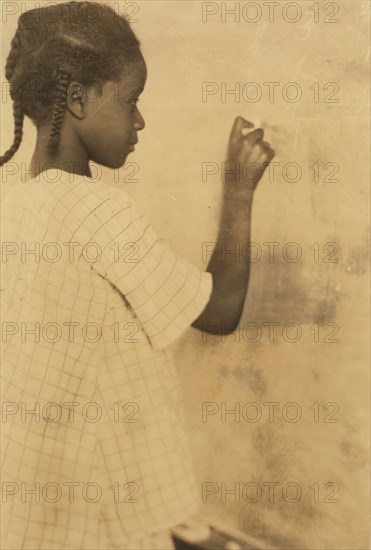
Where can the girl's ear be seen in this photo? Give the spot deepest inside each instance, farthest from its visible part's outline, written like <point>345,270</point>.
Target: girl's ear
<point>76,100</point>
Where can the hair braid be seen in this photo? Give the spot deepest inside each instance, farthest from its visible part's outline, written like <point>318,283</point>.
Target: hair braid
<point>18,132</point>
<point>59,109</point>
<point>17,106</point>
<point>13,55</point>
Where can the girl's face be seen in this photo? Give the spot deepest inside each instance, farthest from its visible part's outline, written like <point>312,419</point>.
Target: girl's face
<point>110,129</point>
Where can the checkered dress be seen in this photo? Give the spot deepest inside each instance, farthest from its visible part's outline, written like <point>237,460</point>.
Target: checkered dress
<point>92,300</point>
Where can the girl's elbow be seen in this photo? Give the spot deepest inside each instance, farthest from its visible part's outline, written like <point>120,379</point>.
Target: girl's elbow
<point>223,328</point>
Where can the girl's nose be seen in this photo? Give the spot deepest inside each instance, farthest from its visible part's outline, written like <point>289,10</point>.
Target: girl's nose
<point>139,123</point>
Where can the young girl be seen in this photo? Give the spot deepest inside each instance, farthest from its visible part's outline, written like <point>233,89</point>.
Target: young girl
<point>94,447</point>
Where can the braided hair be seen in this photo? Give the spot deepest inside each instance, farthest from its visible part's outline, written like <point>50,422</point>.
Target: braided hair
<point>60,105</point>
<point>86,42</point>
<point>17,105</point>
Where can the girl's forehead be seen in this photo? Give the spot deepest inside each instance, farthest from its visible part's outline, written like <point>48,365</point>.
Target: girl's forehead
<point>135,72</point>
<point>130,83</point>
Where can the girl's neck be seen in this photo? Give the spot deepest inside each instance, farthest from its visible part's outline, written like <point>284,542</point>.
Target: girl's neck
<point>70,156</point>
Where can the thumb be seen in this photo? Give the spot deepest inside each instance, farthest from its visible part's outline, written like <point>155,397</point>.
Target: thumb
<point>239,124</point>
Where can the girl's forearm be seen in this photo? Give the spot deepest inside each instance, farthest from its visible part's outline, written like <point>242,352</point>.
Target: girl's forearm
<point>229,263</point>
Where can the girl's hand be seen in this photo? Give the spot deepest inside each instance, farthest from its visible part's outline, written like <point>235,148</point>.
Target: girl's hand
<point>248,155</point>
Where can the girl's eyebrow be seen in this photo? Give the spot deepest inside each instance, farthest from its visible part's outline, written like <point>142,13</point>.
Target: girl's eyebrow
<point>140,90</point>
<point>136,93</point>
<point>135,88</point>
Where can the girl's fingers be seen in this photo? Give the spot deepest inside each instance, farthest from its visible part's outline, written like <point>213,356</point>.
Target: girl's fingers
<point>255,136</point>
<point>239,124</point>
<point>263,148</point>
<point>266,157</point>
<point>247,146</point>
<point>261,153</point>
<point>265,145</point>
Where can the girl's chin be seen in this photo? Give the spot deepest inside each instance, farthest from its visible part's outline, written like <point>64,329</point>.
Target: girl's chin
<point>119,163</point>
<point>121,160</point>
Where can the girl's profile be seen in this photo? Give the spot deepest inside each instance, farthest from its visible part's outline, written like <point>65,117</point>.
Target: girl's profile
<point>104,449</point>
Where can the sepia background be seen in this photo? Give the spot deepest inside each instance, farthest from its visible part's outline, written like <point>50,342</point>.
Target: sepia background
<point>322,297</point>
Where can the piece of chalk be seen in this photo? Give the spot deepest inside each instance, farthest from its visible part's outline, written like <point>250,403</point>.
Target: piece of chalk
<point>257,124</point>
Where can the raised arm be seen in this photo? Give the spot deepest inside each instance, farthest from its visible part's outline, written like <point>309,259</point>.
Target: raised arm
<point>248,156</point>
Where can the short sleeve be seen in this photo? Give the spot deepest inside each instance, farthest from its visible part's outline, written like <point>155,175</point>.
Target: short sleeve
<point>166,292</point>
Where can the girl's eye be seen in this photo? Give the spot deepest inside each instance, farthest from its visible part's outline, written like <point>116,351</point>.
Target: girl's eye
<point>134,102</point>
